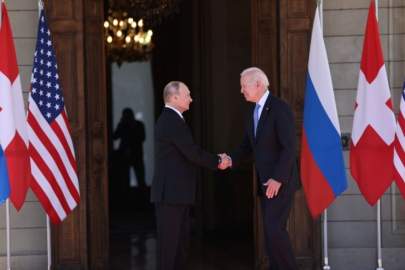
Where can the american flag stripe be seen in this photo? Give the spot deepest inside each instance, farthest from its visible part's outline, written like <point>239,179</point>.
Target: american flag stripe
<point>399,166</point>
<point>399,147</point>
<point>54,144</point>
<point>65,127</point>
<point>55,177</point>
<point>45,194</point>
<point>57,165</point>
<point>46,173</point>
<point>57,127</point>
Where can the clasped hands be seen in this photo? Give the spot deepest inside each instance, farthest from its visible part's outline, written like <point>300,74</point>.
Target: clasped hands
<point>226,161</point>
<point>272,186</point>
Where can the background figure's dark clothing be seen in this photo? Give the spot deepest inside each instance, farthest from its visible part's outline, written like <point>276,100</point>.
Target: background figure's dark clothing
<point>274,152</point>
<point>174,186</point>
<point>132,135</point>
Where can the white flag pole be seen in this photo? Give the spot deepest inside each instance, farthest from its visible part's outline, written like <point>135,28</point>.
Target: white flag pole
<point>325,241</point>
<point>325,213</point>
<point>8,234</point>
<point>379,253</point>
<point>48,246</point>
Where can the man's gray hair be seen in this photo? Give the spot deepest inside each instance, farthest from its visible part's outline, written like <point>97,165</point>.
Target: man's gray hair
<point>256,74</point>
<point>171,89</point>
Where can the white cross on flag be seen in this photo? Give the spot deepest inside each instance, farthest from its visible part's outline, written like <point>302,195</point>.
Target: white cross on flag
<point>372,146</point>
<point>53,162</point>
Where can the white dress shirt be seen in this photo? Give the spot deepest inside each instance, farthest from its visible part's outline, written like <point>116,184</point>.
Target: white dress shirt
<point>262,102</point>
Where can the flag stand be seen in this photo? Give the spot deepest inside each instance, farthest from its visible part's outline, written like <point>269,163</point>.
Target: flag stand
<point>379,259</point>
<point>325,241</point>
<point>8,234</point>
<point>48,238</point>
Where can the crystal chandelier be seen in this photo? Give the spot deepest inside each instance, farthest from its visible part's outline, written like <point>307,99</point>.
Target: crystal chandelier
<point>126,39</point>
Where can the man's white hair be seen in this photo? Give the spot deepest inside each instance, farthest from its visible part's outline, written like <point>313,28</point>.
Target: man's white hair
<point>256,74</point>
<point>171,89</point>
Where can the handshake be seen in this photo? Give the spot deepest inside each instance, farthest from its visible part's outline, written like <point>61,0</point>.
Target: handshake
<point>226,161</point>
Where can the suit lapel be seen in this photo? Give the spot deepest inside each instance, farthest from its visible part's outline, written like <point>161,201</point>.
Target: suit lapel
<point>263,117</point>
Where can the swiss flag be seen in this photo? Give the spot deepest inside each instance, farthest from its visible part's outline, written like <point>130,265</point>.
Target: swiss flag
<point>13,126</point>
<point>372,146</point>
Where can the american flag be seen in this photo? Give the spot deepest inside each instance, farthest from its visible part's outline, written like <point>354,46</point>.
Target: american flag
<point>399,147</point>
<point>53,163</point>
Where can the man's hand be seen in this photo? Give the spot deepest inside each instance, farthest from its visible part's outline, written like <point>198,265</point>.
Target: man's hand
<point>273,187</point>
<point>226,161</point>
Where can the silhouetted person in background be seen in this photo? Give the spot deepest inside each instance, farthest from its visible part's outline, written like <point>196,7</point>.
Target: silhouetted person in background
<point>132,135</point>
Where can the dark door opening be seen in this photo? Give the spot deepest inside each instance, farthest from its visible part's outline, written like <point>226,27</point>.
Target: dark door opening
<point>186,50</point>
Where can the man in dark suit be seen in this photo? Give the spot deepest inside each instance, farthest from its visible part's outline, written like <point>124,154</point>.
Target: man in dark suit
<point>270,141</point>
<point>177,158</point>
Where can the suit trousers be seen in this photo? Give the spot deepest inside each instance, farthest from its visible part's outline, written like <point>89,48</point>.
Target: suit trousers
<point>275,213</point>
<point>173,235</point>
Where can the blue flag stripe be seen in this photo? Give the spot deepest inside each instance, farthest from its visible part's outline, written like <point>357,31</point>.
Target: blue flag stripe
<point>324,140</point>
<point>4,181</point>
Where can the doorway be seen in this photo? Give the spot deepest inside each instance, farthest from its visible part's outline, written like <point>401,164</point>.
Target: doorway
<point>131,154</point>
<point>185,50</point>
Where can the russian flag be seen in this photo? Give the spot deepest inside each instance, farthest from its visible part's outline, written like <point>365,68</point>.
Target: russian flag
<point>322,166</point>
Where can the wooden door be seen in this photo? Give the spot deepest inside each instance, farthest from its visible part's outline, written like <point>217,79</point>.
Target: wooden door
<point>281,33</point>
<point>81,241</point>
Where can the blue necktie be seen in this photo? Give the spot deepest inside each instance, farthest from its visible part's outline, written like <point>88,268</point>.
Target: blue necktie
<point>256,117</point>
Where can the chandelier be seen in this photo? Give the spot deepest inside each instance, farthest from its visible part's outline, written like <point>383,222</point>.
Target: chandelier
<point>126,36</point>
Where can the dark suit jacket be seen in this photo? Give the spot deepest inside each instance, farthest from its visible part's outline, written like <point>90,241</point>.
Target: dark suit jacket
<point>274,148</point>
<point>177,158</point>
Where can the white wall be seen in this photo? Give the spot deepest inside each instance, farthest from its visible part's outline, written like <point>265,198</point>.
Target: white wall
<point>28,227</point>
<point>132,87</point>
<point>352,222</point>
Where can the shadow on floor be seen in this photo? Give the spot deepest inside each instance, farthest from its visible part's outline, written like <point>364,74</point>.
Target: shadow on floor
<point>133,245</point>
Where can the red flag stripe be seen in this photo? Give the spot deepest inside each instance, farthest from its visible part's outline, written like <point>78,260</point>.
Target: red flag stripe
<point>59,133</point>
<point>50,203</point>
<point>47,173</point>
<point>65,127</point>
<point>49,149</point>
<point>401,123</point>
<point>399,165</point>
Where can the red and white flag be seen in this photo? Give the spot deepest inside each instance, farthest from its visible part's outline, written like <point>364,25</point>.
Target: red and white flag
<point>53,162</point>
<point>399,147</point>
<point>372,146</point>
<point>13,127</point>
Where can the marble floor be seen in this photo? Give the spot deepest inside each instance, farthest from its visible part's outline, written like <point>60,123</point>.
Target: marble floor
<point>133,246</point>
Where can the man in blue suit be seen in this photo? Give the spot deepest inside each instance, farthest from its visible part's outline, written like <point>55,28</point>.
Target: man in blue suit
<point>270,141</point>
